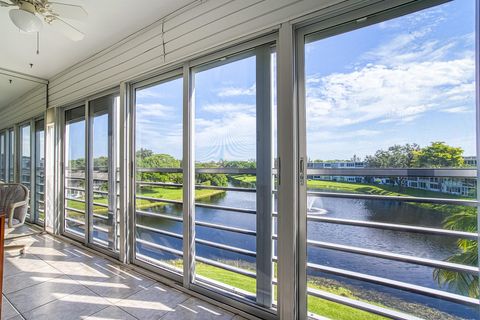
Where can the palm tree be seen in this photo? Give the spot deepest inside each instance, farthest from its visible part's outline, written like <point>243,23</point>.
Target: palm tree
<point>466,284</point>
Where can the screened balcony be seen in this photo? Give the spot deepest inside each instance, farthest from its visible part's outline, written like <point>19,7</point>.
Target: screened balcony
<point>257,159</point>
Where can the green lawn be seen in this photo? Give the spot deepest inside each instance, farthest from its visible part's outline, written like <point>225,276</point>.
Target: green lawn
<point>169,193</point>
<point>316,305</point>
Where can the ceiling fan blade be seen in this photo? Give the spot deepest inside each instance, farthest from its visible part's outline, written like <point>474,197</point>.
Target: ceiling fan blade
<point>68,30</point>
<point>6,4</point>
<point>68,11</point>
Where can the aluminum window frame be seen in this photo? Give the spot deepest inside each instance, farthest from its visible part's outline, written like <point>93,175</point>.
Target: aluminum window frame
<point>87,239</point>
<point>336,24</point>
<point>185,70</point>
<point>162,269</point>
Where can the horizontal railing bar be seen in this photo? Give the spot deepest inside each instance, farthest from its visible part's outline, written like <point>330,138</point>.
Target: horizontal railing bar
<point>239,189</point>
<point>200,241</point>
<point>160,170</point>
<point>226,247</point>
<point>396,172</point>
<point>100,216</point>
<point>163,232</point>
<point>74,210</point>
<point>95,227</point>
<point>160,184</point>
<point>395,227</point>
<point>225,228</point>
<point>76,200</point>
<point>100,204</point>
<point>392,314</point>
<point>100,192</point>
<point>75,189</point>
<point>396,257</point>
<point>74,220</point>
<point>74,178</point>
<point>460,202</point>
<point>211,206</point>
<point>197,186</point>
<point>396,284</point>
<point>226,267</point>
<point>159,215</point>
<point>226,171</point>
<point>159,200</point>
<point>202,170</point>
<point>159,246</point>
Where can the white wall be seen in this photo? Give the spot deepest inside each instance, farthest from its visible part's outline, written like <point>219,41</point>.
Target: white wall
<point>207,25</point>
<point>30,105</point>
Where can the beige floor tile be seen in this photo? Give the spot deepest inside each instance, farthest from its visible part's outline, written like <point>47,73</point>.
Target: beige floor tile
<point>120,286</point>
<point>79,305</point>
<point>112,313</point>
<point>8,311</point>
<point>194,308</point>
<point>153,302</point>
<point>29,278</point>
<point>35,296</point>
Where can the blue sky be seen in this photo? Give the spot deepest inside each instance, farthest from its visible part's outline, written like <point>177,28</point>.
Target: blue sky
<point>407,80</point>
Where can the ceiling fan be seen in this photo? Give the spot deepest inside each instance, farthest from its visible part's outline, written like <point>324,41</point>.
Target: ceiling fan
<point>26,16</point>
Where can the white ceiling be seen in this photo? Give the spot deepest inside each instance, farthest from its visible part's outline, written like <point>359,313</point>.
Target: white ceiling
<point>14,89</point>
<point>108,22</point>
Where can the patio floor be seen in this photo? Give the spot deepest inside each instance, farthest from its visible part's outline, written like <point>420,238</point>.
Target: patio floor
<point>59,280</point>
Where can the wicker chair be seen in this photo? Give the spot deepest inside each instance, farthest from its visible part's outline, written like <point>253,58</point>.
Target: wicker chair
<point>14,201</point>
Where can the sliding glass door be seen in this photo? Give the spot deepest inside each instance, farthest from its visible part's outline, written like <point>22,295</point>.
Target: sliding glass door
<point>3,156</point>
<point>39,173</point>
<point>204,157</point>
<point>388,167</point>
<point>233,175</point>
<point>159,173</point>
<point>91,172</point>
<point>75,195</point>
<point>25,159</point>
<point>11,155</point>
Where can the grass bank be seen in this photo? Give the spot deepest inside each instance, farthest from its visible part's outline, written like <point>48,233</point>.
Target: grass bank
<point>316,305</point>
<point>374,189</point>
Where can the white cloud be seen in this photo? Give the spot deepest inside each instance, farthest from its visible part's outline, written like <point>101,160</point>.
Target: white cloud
<point>152,110</point>
<point>399,93</point>
<point>229,108</point>
<point>457,110</point>
<point>236,91</point>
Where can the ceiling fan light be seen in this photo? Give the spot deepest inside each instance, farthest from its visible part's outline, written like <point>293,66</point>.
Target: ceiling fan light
<point>25,21</point>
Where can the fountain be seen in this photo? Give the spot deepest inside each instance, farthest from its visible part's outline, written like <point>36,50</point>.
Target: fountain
<point>314,210</point>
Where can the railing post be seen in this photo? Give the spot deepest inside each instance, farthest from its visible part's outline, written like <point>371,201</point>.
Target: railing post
<point>264,177</point>
<point>288,176</point>
<point>477,100</point>
<point>188,164</point>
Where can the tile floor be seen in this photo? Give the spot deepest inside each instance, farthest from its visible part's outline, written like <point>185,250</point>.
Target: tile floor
<point>57,280</point>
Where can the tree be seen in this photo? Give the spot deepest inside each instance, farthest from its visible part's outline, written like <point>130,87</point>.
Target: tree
<point>144,153</point>
<point>396,156</point>
<point>467,284</point>
<point>438,155</point>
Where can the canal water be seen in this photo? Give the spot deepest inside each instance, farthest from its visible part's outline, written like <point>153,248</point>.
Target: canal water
<point>425,246</point>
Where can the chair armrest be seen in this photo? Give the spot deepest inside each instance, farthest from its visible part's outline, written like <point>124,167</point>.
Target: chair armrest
<point>11,210</point>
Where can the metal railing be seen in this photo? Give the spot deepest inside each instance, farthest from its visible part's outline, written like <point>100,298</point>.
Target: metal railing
<point>438,173</point>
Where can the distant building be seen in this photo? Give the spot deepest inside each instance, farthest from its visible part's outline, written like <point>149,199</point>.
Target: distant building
<point>455,186</point>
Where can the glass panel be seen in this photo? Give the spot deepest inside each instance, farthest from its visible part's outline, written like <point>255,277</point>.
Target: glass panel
<point>390,96</point>
<point>11,155</point>
<point>25,159</point>
<point>3,150</point>
<point>228,107</point>
<point>39,172</point>
<point>104,173</point>
<point>158,141</point>
<point>75,196</point>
